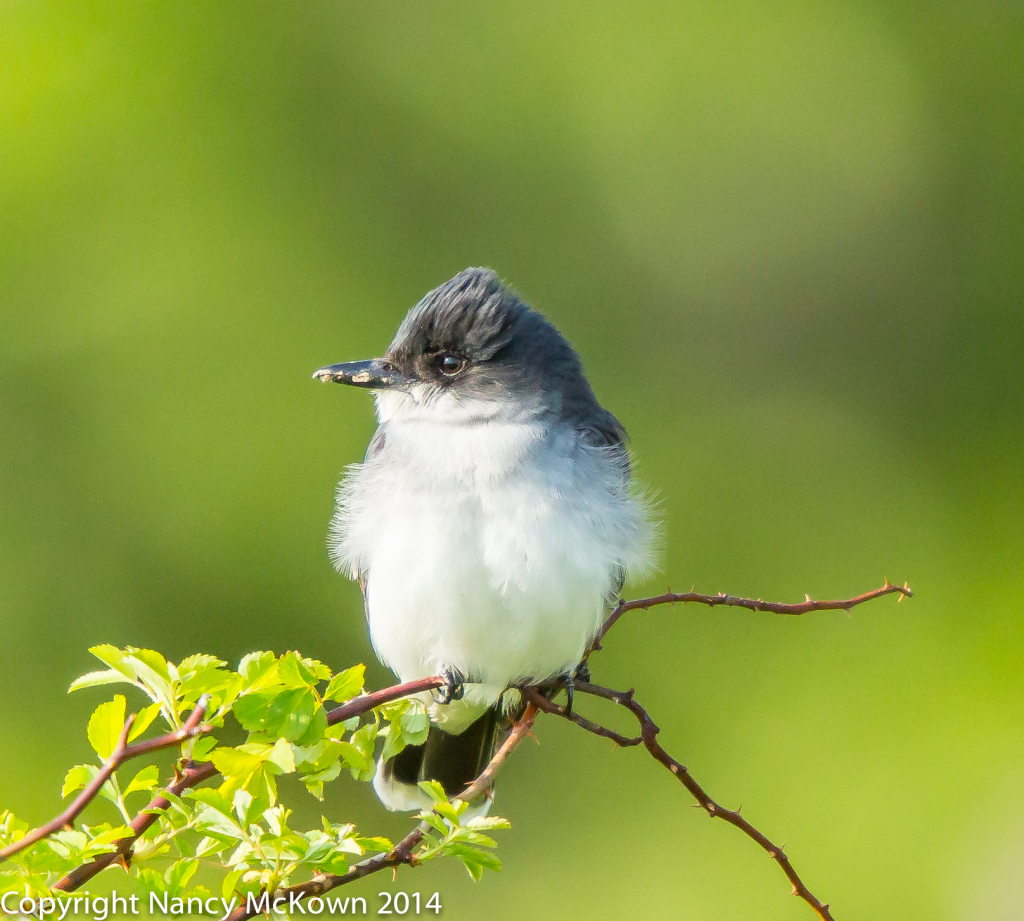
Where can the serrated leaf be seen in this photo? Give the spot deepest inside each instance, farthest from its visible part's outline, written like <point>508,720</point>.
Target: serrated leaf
<point>476,838</point>
<point>105,726</point>
<point>282,757</point>
<point>147,779</point>
<point>488,822</point>
<point>354,758</point>
<point>227,888</point>
<point>79,776</point>
<point>415,726</point>
<point>447,811</point>
<point>151,881</point>
<point>275,817</point>
<point>143,720</point>
<point>475,860</point>
<point>347,684</point>
<point>286,713</point>
<point>202,748</point>
<point>434,790</point>
<point>114,658</point>
<point>232,762</point>
<point>435,822</point>
<point>241,804</point>
<point>293,672</point>
<point>374,844</point>
<point>94,679</point>
<point>199,662</point>
<point>258,670</point>
<point>152,659</point>
<point>178,875</point>
<point>316,728</point>
<point>214,799</point>
<point>209,846</point>
<point>394,741</point>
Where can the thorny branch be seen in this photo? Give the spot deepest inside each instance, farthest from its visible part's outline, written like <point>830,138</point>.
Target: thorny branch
<point>751,604</point>
<point>402,853</point>
<point>123,752</point>
<point>649,739</point>
<point>192,774</point>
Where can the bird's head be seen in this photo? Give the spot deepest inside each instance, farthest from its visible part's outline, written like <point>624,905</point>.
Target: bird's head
<point>471,350</point>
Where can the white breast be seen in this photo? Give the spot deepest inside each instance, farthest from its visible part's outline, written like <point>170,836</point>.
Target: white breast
<point>489,547</point>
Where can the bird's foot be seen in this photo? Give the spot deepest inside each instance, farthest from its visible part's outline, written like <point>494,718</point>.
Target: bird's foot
<point>579,675</point>
<point>454,687</point>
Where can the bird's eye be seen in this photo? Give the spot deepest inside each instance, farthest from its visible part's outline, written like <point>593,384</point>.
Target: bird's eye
<point>451,364</point>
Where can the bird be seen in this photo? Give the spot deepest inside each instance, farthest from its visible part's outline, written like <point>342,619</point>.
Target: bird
<point>491,523</point>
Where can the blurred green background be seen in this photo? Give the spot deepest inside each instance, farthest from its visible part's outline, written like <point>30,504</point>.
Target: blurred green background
<point>788,241</point>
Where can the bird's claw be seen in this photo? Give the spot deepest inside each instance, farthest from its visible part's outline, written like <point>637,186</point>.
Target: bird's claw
<point>579,674</point>
<point>454,687</point>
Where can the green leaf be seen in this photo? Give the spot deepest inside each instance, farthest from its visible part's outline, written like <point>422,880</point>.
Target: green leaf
<point>202,748</point>
<point>488,822</point>
<point>143,720</point>
<point>448,811</point>
<point>214,799</point>
<point>347,684</point>
<point>435,822</point>
<point>258,669</point>
<point>241,805</point>
<point>415,725</point>
<point>316,728</point>
<point>105,726</point>
<point>197,663</point>
<point>114,658</point>
<point>94,679</point>
<point>476,861</point>
<point>79,776</point>
<point>394,741</point>
<point>152,659</point>
<point>293,673</point>
<point>151,881</point>
<point>434,790</point>
<point>354,758</point>
<point>286,713</point>
<point>282,756</point>
<point>315,667</point>
<point>227,888</point>
<point>374,844</point>
<point>104,842</point>
<point>151,670</point>
<point>147,779</point>
<point>235,763</point>
<point>178,875</point>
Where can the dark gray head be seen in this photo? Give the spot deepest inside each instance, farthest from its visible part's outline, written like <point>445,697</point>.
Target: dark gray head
<point>472,341</point>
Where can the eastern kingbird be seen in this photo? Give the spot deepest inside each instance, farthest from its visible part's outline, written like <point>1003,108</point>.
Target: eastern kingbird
<point>491,523</point>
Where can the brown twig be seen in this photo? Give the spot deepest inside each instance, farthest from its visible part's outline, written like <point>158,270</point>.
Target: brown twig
<point>535,697</point>
<point>190,777</point>
<point>751,604</point>
<point>401,853</point>
<point>359,705</point>
<point>648,734</point>
<point>122,752</point>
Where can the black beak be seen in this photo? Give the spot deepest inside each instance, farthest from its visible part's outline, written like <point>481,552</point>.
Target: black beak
<point>376,374</point>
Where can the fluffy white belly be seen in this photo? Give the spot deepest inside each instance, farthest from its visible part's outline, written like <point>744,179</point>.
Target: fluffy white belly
<point>492,549</point>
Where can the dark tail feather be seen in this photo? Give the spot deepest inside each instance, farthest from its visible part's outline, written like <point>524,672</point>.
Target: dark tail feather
<point>455,761</point>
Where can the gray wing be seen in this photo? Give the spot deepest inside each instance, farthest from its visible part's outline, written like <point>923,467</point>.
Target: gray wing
<point>607,432</point>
